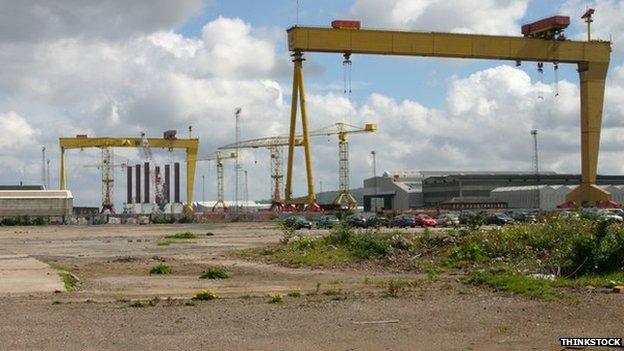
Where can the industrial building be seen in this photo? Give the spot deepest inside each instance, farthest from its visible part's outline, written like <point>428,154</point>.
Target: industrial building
<point>471,190</point>
<point>549,196</point>
<point>396,190</point>
<point>53,203</point>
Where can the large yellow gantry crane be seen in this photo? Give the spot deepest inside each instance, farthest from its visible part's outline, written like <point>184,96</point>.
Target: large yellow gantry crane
<point>592,59</point>
<point>190,145</point>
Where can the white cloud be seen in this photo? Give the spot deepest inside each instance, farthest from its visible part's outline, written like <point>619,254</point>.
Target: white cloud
<point>39,20</point>
<point>15,133</point>
<point>461,16</point>
<point>607,25</point>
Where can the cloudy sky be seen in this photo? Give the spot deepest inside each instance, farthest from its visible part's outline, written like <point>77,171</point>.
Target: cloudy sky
<point>116,68</point>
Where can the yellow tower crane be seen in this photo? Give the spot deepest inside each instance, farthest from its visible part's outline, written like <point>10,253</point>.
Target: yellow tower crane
<point>591,57</point>
<point>275,145</point>
<point>218,157</point>
<point>190,145</point>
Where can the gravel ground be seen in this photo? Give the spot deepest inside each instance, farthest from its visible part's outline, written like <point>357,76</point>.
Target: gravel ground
<point>112,263</point>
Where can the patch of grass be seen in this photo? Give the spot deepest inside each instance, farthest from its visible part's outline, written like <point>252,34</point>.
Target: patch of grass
<point>56,302</point>
<point>69,280</point>
<point>182,235</point>
<point>343,245</point>
<point>215,273</point>
<point>137,304</point>
<point>276,299</point>
<point>162,269</point>
<point>205,295</point>
<point>294,294</point>
<point>332,292</point>
<point>516,284</point>
<point>163,243</point>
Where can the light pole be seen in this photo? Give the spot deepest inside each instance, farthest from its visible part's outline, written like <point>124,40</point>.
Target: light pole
<point>374,154</point>
<point>237,166</point>
<point>203,188</point>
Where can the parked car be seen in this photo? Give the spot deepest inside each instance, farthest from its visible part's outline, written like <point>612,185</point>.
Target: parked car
<point>378,221</point>
<point>297,222</point>
<point>447,220</point>
<point>356,220</point>
<point>568,214</point>
<point>607,215</point>
<point>468,217</point>
<point>498,219</point>
<point>326,222</point>
<point>525,217</point>
<point>403,221</point>
<point>424,220</point>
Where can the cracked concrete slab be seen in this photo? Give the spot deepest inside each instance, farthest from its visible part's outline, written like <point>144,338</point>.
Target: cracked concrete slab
<point>24,274</point>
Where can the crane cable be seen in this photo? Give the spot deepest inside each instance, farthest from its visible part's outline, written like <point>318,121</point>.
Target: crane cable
<point>556,69</point>
<point>346,77</point>
<point>540,71</point>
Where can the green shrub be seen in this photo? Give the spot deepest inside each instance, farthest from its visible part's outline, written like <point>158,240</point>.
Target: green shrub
<point>161,269</point>
<point>205,295</point>
<point>276,298</point>
<point>163,219</point>
<point>182,235</point>
<point>215,273</point>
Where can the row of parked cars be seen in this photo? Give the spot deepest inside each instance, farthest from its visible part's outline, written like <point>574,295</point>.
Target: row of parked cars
<point>361,220</point>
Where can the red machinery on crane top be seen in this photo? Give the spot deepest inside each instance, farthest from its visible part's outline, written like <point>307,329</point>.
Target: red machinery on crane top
<point>346,24</point>
<point>546,28</point>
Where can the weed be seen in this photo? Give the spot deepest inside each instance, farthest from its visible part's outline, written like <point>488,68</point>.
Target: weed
<point>276,298</point>
<point>69,280</point>
<point>163,243</point>
<point>205,295</point>
<point>189,303</point>
<point>161,269</point>
<point>137,304</point>
<point>517,284</point>
<point>215,273</point>
<point>182,235</point>
<point>332,292</point>
<point>294,294</point>
<point>56,302</point>
<point>394,289</point>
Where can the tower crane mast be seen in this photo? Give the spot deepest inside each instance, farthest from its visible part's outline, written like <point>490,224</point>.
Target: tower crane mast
<point>219,157</point>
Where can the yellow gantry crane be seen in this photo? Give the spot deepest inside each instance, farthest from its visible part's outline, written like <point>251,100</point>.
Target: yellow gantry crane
<point>275,145</point>
<point>219,157</point>
<point>591,57</point>
<point>190,145</point>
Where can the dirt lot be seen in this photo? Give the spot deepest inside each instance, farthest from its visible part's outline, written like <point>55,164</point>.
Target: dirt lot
<point>112,264</point>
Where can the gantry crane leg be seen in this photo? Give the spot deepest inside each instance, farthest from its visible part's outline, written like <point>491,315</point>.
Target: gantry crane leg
<point>592,76</point>
<point>298,95</point>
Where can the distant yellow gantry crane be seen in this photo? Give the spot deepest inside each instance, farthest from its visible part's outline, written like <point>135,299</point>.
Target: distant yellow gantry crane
<point>275,145</point>
<point>190,145</point>
<point>591,57</point>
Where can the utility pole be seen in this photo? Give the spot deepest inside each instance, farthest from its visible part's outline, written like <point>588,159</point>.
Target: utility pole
<point>536,168</point>
<point>237,166</point>
<point>43,167</point>
<point>374,154</point>
<point>48,174</point>
<point>203,188</point>
<point>246,191</point>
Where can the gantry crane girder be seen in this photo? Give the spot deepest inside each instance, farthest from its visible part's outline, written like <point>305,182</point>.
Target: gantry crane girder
<point>190,145</point>
<point>592,59</point>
